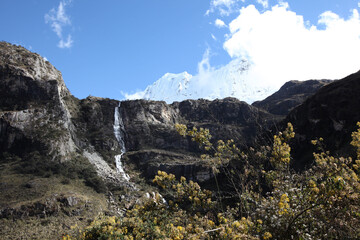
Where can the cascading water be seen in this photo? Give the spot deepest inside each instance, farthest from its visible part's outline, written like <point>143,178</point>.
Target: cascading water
<point>118,131</point>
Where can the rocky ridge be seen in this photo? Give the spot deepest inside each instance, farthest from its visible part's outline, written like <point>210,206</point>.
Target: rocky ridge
<point>331,113</point>
<point>290,95</point>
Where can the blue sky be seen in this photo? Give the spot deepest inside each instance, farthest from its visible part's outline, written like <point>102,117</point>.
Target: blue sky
<point>106,48</point>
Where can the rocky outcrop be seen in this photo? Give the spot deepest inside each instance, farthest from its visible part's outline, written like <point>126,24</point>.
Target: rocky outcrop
<point>38,113</point>
<point>331,113</point>
<point>32,103</point>
<point>180,164</point>
<point>290,95</point>
<point>150,124</point>
<point>94,126</point>
<point>153,143</point>
<point>227,118</point>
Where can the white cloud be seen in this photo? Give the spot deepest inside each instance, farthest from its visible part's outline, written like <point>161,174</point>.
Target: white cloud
<point>282,47</point>
<point>359,4</point>
<point>58,19</point>
<point>66,44</point>
<point>225,7</point>
<point>219,23</point>
<point>132,96</point>
<point>205,70</point>
<point>264,3</point>
<point>226,3</point>
<point>213,37</point>
<point>279,45</point>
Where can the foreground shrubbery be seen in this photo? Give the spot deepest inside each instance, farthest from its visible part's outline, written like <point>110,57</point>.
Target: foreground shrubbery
<point>319,203</point>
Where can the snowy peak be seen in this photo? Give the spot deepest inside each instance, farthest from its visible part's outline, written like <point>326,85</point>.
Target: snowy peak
<point>231,80</point>
<point>168,87</point>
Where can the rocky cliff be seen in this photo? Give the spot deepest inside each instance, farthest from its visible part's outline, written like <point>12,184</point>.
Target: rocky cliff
<point>153,142</point>
<point>33,111</point>
<point>38,113</point>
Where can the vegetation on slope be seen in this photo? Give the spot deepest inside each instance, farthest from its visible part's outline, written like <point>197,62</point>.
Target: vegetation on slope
<point>41,198</point>
<point>273,202</point>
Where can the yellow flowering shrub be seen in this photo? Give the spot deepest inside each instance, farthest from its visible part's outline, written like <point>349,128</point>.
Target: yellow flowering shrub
<point>321,202</point>
<point>281,149</point>
<point>157,220</point>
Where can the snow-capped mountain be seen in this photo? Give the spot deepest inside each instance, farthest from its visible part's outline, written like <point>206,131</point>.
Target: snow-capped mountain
<point>231,80</point>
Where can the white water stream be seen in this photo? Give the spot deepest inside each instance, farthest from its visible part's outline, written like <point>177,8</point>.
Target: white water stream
<point>118,131</point>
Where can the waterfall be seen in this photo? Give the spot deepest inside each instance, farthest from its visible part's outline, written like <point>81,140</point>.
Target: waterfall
<point>118,131</point>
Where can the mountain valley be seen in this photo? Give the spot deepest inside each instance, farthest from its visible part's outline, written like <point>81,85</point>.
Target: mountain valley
<point>66,161</point>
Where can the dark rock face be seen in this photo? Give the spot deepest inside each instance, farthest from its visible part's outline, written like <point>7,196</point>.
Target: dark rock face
<point>27,79</point>
<point>154,121</point>
<point>290,95</point>
<point>153,143</point>
<point>180,164</point>
<point>331,113</point>
<point>94,125</point>
<point>32,108</point>
<point>228,118</point>
<point>149,125</point>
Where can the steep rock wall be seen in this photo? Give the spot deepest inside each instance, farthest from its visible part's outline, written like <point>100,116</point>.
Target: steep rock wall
<point>38,113</point>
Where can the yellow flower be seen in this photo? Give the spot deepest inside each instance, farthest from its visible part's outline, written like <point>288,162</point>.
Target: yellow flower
<point>236,224</point>
<point>316,190</point>
<point>283,204</point>
<point>312,184</point>
<point>267,235</point>
<point>211,223</point>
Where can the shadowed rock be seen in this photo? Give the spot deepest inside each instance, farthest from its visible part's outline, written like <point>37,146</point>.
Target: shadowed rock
<point>290,95</point>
